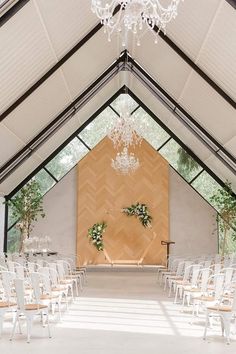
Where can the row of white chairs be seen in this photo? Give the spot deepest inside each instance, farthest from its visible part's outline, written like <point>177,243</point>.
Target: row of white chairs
<point>207,285</point>
<point>39,287</point>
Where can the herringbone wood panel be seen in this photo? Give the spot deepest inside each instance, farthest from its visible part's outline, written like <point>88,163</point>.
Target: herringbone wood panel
<point>101,195</point>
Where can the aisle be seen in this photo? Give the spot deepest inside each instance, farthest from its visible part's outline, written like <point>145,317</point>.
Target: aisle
<point>121,312</point>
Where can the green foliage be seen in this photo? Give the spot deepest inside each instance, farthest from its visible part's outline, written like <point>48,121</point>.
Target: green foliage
<point>26,206</point>
<point>185,163</point>
<point>225,202</point>
<point>95,235</point>
<point>141,212</point>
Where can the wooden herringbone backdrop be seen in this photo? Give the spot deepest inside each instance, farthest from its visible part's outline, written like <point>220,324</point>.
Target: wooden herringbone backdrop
<point>101,195</point>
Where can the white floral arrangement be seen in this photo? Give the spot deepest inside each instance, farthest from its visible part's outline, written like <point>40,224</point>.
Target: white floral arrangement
<point>141,212</point>
<point>95,235</point>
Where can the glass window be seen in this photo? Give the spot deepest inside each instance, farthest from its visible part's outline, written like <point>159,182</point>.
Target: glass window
<point>45,181</point>
<point>124,98</point>
<point>67,158</point>
<point>180,160</point>
<point>13,240</point>
<point>229,243</point>
<point>98,128</point>
<point>149,129</point>
<point>206,186</point>
<point>11,219</point>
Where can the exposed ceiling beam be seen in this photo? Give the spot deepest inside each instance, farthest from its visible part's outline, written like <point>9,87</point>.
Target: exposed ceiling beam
<point>13,163</point>
<point>232,3</point>
<point>202,134</point>
<point>11,10</point>
<point>54,68</point>
<point>196,68</point>
<point>94,30</point>
<point>64,144</point>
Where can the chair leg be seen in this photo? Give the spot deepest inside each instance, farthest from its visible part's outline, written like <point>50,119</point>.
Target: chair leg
<point>29,327</point>
<point>49,331</point>
<point>14,326</point>
<point>1,323</point>
<point>206,324</point>
<point>226,320</point>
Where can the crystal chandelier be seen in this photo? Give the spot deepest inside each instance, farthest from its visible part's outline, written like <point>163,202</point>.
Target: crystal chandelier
<point>125,131</point>
<point>125,162</point>
<point>134,15</point>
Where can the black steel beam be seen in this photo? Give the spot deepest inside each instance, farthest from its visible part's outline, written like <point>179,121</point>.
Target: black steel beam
<point>60,120</point>
<point>175,107</point>
<point>12,11</point>
<point>196,68</point>
<point>65,143</point>
<point>51,71</point>
<point>232,3</point>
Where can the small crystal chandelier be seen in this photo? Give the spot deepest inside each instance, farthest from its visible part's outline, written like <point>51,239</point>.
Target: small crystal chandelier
<point>125,162</point>
<point>134,16</point>
<point>125,131</point>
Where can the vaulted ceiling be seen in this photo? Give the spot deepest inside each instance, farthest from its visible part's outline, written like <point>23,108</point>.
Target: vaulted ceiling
<point>52,51</point>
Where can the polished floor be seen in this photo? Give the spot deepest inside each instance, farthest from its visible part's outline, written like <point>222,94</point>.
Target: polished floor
<point>120,312</point>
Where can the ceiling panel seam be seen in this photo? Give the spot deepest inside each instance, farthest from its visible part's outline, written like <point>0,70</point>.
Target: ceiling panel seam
<point>89,35</point>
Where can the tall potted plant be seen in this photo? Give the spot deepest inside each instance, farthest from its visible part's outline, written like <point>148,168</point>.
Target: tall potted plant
<point>225,202</point>
<point>26,206</point>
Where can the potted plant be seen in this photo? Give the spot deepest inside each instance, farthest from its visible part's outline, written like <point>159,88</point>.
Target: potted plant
<point>225,202</point>
<point>26,206</point>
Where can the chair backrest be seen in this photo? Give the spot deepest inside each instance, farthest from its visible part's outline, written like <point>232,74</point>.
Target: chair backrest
<point>204,276</point>
<point>228,272</point>
<point>61,271</point>
<point>20,272</point>
<point>195,273</point>
<point>31,267</point>
<point>187,270</point>
<point>45,278</point>
<point>7,282</point>
<point>217,280</point>
<point>11,265</point>
<point>19,287</point>
<point>54,277</point>
<point>180,268</point>
<point>217,268</point>
<point>35,282</point>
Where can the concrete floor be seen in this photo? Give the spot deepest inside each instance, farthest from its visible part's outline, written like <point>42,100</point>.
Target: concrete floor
<point>120,312</point>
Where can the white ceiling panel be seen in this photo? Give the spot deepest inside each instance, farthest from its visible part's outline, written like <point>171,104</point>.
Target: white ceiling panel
<point>42,106</point>
<point>162,63</point>
<point>218,54</point>
<point>209,108</point>
<point>82,116</point>
<point>9,144</point>
<point>191,25</point>
<point>231,146</point>
<point>25,54</point>
<point>66,22</point>
<point>89,62</point>
<point>170,120</point>
<point>19,174</point>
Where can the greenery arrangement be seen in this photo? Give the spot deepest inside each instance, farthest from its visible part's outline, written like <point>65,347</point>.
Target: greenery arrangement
<point>26,206</point>
<point>225,202</point>
<point>95,235</point>
<point>141,212</point>
<point>185,163</point>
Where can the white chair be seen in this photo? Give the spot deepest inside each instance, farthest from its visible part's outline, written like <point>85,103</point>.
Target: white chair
<point>29,311</point>
<point>226,312</point>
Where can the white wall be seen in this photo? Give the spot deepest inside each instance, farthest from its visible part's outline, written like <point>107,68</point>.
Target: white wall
<point>191,218</point>
<point>60,220</point>
<point>2,214</point>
